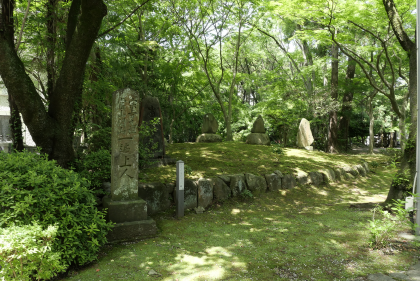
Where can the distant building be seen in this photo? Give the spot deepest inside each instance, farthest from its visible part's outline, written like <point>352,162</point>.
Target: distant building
<point>5,132</point>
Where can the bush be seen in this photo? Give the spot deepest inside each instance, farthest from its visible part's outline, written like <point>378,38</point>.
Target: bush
<point>95,167</point>
<point>33,188</point>
<point>100,140</point>
<point>25,253</point>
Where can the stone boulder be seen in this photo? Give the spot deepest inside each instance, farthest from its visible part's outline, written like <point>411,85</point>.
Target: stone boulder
<point>316,178</point>
<point>339,174</point>
<point>205,192</point>
<point>304,136</point>
<point>225,178</point>
<point>221,191</point>
<point>209,138</point>
<point>328,175</point>
<point>210,124</point>
<point>157,195</point>
<point>366,166</point>
<point>302,178</point>
<point>360,169</point>
<point>255,183</point>
<point>149,110</point>
<point>351,170</point>
<point>258,126</point>
<point>288,182</point>
<point>190,194</point>
<point>277,172</point>
<point>237,184</point>
<point>273,181</point>
<point>258,138</point>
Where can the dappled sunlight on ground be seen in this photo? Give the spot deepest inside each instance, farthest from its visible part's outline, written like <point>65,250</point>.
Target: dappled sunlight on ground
<point>305,233</point>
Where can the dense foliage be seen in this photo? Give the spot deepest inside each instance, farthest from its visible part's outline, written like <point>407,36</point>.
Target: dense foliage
<point>36,189</point>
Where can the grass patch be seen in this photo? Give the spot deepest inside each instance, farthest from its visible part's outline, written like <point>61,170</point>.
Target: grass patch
<point>305,233</point>
<point>212,159</point>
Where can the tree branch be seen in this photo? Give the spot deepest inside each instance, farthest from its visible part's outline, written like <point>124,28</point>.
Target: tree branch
<point>23,25</point>
<point>122,21</point>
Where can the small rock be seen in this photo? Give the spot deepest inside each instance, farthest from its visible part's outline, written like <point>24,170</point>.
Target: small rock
<point>379,277</point>
<point>400,276</point>
<point>152,272</point>
<point>199,210</point>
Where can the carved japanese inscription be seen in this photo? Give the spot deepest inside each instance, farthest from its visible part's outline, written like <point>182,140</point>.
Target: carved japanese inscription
<point>125,139</point>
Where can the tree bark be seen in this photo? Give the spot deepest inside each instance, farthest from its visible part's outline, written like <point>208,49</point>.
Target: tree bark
<point>409,156</point>
<point>333,122</point>
<point>346,107</point>
<point>52,129</point>
<point>371,122</point>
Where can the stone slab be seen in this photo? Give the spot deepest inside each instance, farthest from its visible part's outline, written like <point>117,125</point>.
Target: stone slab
<point>302,178</point>
<point>255,184</point>
<point>190,194</point>
<point>130,231</point>
<point>316,178</point>
<point>125,211</point>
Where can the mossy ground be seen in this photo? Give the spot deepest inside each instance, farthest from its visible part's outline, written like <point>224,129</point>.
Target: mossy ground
<point>212,159</point>
<point>305,233</point>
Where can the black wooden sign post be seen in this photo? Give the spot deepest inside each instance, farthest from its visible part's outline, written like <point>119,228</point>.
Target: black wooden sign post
<point>179,189</point>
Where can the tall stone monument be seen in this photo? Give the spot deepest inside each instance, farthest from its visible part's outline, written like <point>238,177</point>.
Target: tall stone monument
<point>304,136</point>
<point>258,135</point>
<point>124,207</point>
<point>209,129</point>
<point>149,110</point>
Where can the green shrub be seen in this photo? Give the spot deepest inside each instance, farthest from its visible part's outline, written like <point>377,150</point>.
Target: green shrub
<point>33,188</point>
<point>374,164</point>
<point>95,167</point>
<point>100,139</point>
<point>25,253</point>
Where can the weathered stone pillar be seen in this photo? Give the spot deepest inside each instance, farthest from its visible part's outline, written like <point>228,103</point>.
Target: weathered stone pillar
<point>124,207</point>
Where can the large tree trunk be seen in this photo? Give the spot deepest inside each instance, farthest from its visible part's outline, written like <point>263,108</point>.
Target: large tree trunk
<point>333,123</point>
<point>52,130</point>
<point>15,126</point>
<point>371,120</point>
<point>409,156</point>
<point>346,107</point>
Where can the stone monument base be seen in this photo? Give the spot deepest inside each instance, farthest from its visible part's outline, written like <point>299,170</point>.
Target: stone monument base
<point>131,220</point>
<point>257,138</point>
<point>125,211</point>
<point>209,138</point>
<point>310,148</point>
<point>135,230</point>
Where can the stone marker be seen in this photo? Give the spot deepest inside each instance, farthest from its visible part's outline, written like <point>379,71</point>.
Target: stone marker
<point>124,145</point>
<point>221,191</point>
<point>209,130</point>
<point>258,126</point>
<point>273,181</point>
<point>255,184</point>
<point>304,136</point>
<point>149,110</point>
<point>124,207</point>
<point>210,124</point>
<point>258,135</point>
<point>179,189</point>
<point>288,182</point>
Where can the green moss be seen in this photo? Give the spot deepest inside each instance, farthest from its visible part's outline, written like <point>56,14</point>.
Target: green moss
<point>307,232</point>
<point>212,159</point>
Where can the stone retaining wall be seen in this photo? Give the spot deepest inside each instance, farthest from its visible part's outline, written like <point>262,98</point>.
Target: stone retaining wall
<point>203,192</point>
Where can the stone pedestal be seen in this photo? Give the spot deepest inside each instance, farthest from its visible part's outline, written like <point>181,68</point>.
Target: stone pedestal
<point>258,138</point>
<point>209,138</point>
